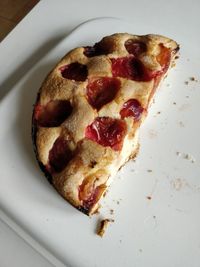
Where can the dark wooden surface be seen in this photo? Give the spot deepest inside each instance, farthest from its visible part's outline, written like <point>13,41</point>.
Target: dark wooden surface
<point>12,12</point>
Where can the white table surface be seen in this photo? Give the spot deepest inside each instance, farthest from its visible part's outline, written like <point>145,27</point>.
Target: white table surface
<point>40,31</point>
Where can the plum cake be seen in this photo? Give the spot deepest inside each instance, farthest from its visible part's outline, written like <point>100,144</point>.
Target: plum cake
<point>89,109</point>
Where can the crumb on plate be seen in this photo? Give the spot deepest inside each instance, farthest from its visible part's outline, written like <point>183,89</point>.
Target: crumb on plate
<point>181,124</point>
<point>111,211</point>
<point>103,226</point>
<point>186,156</point>
<point>97,211</point>
<point>193,79</point>
<point>105,193</point>
<point>189,157</point>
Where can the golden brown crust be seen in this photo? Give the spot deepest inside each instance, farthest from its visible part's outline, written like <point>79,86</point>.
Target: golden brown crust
<point>91,158</point>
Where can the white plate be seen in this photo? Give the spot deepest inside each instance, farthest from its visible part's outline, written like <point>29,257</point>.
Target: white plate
<point>163,231</point>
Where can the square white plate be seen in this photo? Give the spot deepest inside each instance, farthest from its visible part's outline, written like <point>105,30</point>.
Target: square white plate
<point>160,231</point>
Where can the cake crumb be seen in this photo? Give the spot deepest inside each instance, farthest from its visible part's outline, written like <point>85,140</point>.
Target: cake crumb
<point>149,170</point>
<point>193,79</point>
<point>181,124</point>
<point>103,226</point>
<point>111,211</point>
<point>189,157</point>
<point>174,103</point>
<point>186,156</point>
<point>105,193</point>
<point>186,82</point>
<point>177,184</point>
<point>158,112</point>
<point>149,197</point>
<point>96,212</point>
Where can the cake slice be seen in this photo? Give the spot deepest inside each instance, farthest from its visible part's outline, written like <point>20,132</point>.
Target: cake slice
<point>89,109</point>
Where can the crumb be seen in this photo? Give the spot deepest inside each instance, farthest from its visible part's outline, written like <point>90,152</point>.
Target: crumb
<point>148,197</point>
<point>111,211</point>
<point>118,202</point>
<point>149,171</point>
<point>120,241</point>
<point>187,96</point>
<point>189,157</point>
<point>158,112</point>
<point>177,184</point>
<point>104,194</point>
<point>176,57</point>
<point>174,103</point>
<point>96,212</point>
<point>140,250</point>
<point>173,64</point>
<point>186,82</point>
<point>168,85</point>
<point>103,225</point>
<point>181,124</point>
<point>186,156</point>
<point>154,216</point>
<point>193,79</point>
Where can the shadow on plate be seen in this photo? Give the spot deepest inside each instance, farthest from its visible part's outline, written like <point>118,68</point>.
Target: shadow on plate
<point>20,71</point>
